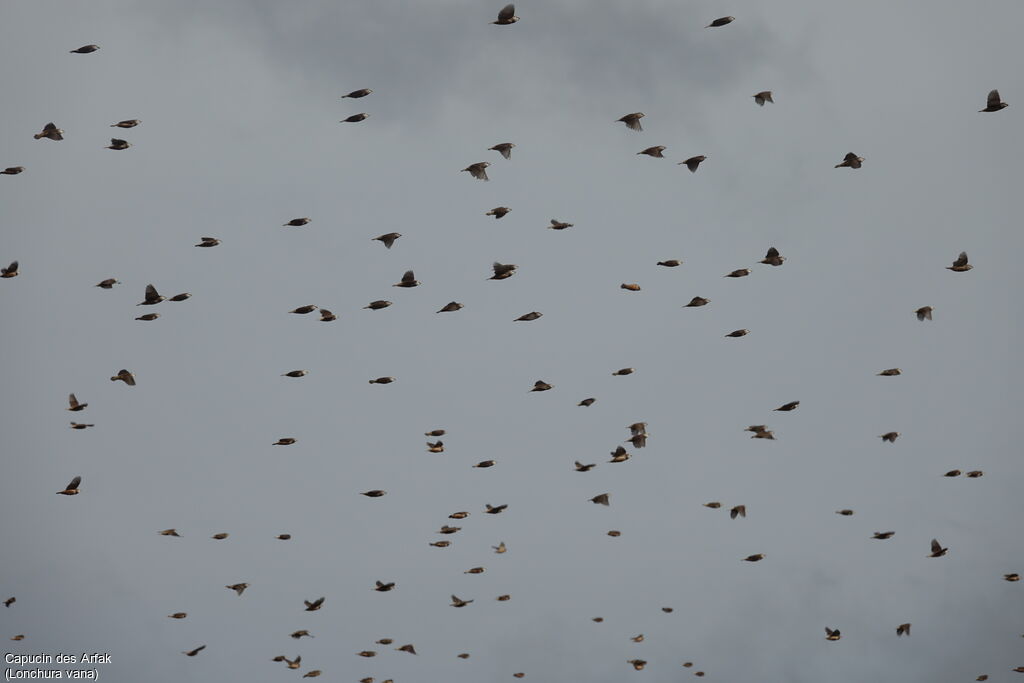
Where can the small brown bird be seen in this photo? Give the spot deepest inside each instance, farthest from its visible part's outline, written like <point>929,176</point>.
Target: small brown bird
<point>180,297</point>
<point>891,372</point>
<point>586,402</point>
<point>441,544</point>
<point>382,587</point>
<point>10,601</point>
<point>597,620</point>
<point>952,473</point>
<point>601,499</point>
<point>721,21</point>
<point>697,301</point>
<point>638,440</point>
<point>449,529</point>
<point>754,558</point>
<point>994,102</point>
<point>883,535</point>
<point>580,467</point>
<point>118,144</point>
<point>614,533</point>
<point>312,674</point>
<point>355,118</point>
<point>620,455</point>
<point>960,265</point>
<point>762,97</point>
<point>219,537</point>
<point>495,509</point>
<point>638,664</point>
<point>458,602</point>
<point>485,464</point>
<point>772,258</point>
<point>377,305</point>
<point>982,677</point>
<point>974,474</point>
<point>632,121</point>
<point>503,598</point>
<point>382,380</point>
<point>623,372</point>
<point>631,286</point>
<point>297,222</point>
<point>458,515</point>
<point>406,648</point>
<point>51,132</point>
<point>385,641</point>
<point>924,313</point>
<point>85,49</point>
<point>532,315</point>
<point>738,511</point>
<point>152,297</point>
<point>714,505</point>
<point>463,655</point>
<point>498,212</point>
<point>303,310</point>
<point>637,428</point>
<point>74,405</point>
<point>387,239</point>
<point>296,373</point>
<point>499,549</point>
<point>80,425</point>
<point>12,170</point>
<point>786,407</point>
<point>177,615</point>
<point>667,610</point>
<point>831,634</point>
<point>845,512</point>
<point>655,151</point>
<point>72,488</point>
<point>506,16</point>
<point>283,537</point>
<point>239,588</point>
<point>170,532</point>
<point>125,376</point>
<point>890,437</point>
<point>503,270</point>
<point>756,428</point>
<point>208,242</point>
<point>356,94</point>
<point>903,630</point>
<point>129,123</point>
<point>436,447</point>
<point>408,280</point>
<point>478,170</point>
<point>738,333</point>
<point>937,549</point>
<point>374,493</point>
<point>559,225</point>
<point>193,653</point>
<point>20,636</point>
<point>474,570</point>
<point>851,160</point>
<point>741,272</point>
<point>693,162</point>
<point>108,283</point>
<point>326,316</point>
<point>518,675</point>
<point>148,317</point>
<point>451,307</point>
<point>504,148</point>
<point>671,263</point>
<point>1006,577</point>
<point>541,385</point>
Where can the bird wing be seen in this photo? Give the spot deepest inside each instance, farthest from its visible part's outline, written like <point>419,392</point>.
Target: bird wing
<point>961,260</point>
<point>936,546</point>
<point>151,293</point>
<point>74,483</point>
<point>507,12</point>
<point>993,99</point>
<point>408,277</point>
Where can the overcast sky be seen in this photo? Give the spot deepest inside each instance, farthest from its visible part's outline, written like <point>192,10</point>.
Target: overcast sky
<point>240,108</point>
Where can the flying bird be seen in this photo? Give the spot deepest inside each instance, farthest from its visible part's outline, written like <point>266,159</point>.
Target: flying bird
<point>952,473</point>
<point>507,16</point>
<point>108,283</point>
<point>937,549</point>
<point>498,212</point>
<point>586,402</point>
<point>671,263</point>
<point>655,151</point>
<point>754,558</point>
<point>124,376</point>
<point>697,301</point>
<point>374,493</point>
<point>303,310</point>
<point>903,630</point>
<point>623,372</point>
<point>693,162</point>
<point>740,272</point>
<point>601,499</point>
<point>738,511</point>
<point>924,313</point>
<point>79,425</point>
<point>72,488</point>
<point>152,297</point>
<point>786,407</point>
<point>762,97</point>
<point>738,333</point>
<point>580,467</point>
<point>180,297</point>
<point>193,653</point>
<point>891,372</point>
<point>632,121</point>
<point>504,148</point>
<point>889,437</point>
<point>74,405</point>
<point>312,606</point>
<point>356,94</point>
<point>377,305</point>
<point>355,118</point>
<point>177,615</point>
<point>387,239</point>
<point>831,634</point>
<point>85,49</point>
<point>883,535</point>
<point>170,532</point>
<point>129,123</point>
<point>238,587</point>
<point>772,258</point>
<point>51,132</point>
<point>503,271</point>
<point>478,170</point>
<point>721,21</point>
<point>219,537</point>
<point>994,102</point>
<point>851,160</point>
<point>960,265</point>
<point>494,509</point>
<point>845,512</point>
<point>630,286</point>
<point>296,373</point>
<point>208,242</point>
<point>532,315</point>
<point>297,222</point>
<point>450,307</point>
<point>10,601</point>
<point>148,317</point>
<point>485,464</point>
<point>541,385</point>
<point>559,225</point>
<point>500,548</point>
<point>458,602</point>
<point>118,144</point>
<point>382,380</point>
<point>406,648</point>
<point>12,170</point>
<point>408,280</point>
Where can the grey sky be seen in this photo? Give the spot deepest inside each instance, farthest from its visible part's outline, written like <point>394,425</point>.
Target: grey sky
<point>240,109</point>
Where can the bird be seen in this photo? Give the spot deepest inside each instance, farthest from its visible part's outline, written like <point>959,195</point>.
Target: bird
<point>721,21</point>
<point>738,511</point>
<point>408,280</point>
<point>600,499</point>
<point>1006,577</point>
<point>559,225</point>
<point>754,558</point>
<point>239,588</point>
<point>85,49</point>
<point>385,641</point>
<point>714,505</point>
<point>503,598</point>
<point>295,373</point>
<point>883,535</point>
<point>474,570</point>
<point>507,15</point>
<point>974,474</point>
<point>180,297</point>
<point>937,549</point>
<point>148,316</point>
<point>586,402</point>
<point>851,160</point>
<point>129,123</point>
<point>463,655</point>
<point>924,313</point>
<point>891,372</point>
<point>637,638</point>
<point>10,601</point>
<point>152,297</point>
<point>312,606</point>
<point>952,473</point>
<point>478,170</point>
<point>740,272</point>
<point>960,265</point>
<point>889,437</point>
<point>498,212</point>
<point>356,94</point>
<point>303,310</point>
<point>177,615</point>
<point>541,385</point>
<point>297,222</point>
<point>738,333</point>
<point>903,630</point>
<point>655,151</point>
<point>772,258</point>
<point>631,286</point>
<point>526,317</point>
<point>355,118</point>
<point>504,148</point>
<point>458,515</point>
<point>597,620</point>
<point>436,447</point>
<point>312,674</point>
<point>458,602</point>
<point>449,529</point>
<point>667,610</point>
<point>638,428</point>
<point>374,493</point>
<point>632,121</point>
<point>762,97</point>
<point>620,454</point>
<point>79,425</point>
<point>219,537</point>
<point>108,283</point>
<point>377,305</point>
<point>638,664</point>
<point>74,405</point>
<point>500,548</point>
<point>51,132</point>
<point>671,263</point>
<point>20,636</point>
<point>441,544</point>
<point>503,271</point>
<point>170,532</point>
<point>756,428</point>
<point>118,144</point>
<point>623,372</point>
<point>845,512</point>
<point>72,488</point>
<point>12,170</point>
<point>125,376</point>
<point>693,162</point>
<point>387,239</point>
<point>697,301</point>
<point>406,648</point>
<point>283,537</point>
<point>494,509</point>
<point>450,307</point>
<point>639,439</point>
<point>485,464</point>
<point>994,102</point>
<point>580,467</point>
<point>382,380</point>
<point>208,242</point>
<point>786,407</point>
<point>193,653</point>
<point>831,634</point>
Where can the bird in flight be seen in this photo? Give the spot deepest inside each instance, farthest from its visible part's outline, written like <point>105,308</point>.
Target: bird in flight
<point>994,103</point>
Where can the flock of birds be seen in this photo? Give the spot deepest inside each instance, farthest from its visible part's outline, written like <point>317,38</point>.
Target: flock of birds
<point>638,434</point>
